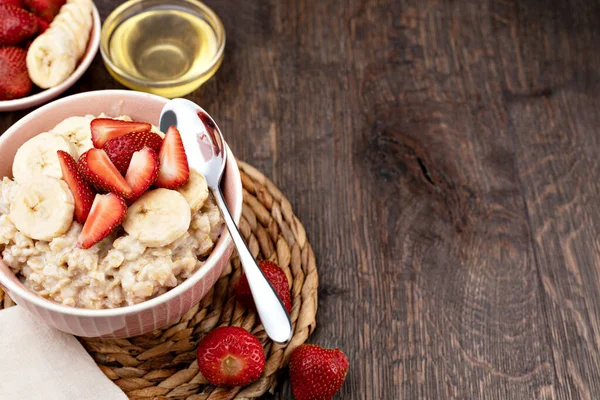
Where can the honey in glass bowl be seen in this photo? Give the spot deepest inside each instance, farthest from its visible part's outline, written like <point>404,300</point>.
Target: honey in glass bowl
<point>168,49</point>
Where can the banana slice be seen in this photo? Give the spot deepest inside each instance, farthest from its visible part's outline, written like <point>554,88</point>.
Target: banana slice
<point>85,3</point>
<point>37,156</point>
<point>120,118</point>
<point>42,208</point>
<point>81,10</point>
<point>195,190</point>
<point>52,57</point>
<point>77,131</point>
<point>75,28</point>
<point>76,18</point>
<point>158,218</point>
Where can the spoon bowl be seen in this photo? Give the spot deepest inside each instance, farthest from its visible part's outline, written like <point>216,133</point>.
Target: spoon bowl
<point>202,139</point>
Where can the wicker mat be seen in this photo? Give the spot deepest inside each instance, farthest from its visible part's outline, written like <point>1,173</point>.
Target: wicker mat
<point>162,364</point>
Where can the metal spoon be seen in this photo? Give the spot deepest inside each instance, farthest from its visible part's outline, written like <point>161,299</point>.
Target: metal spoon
<point>205,150</point>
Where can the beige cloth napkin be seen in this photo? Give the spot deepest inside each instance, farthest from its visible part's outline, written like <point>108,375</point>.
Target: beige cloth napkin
<point>40,363</point>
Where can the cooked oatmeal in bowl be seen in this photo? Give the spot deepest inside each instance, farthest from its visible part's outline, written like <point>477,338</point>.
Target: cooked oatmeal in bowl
<point>116,272</point>
<point>137,316</point>
<point>165,234</point>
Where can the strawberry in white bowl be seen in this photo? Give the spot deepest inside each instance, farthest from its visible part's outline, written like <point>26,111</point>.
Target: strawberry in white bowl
<point>45,47</point>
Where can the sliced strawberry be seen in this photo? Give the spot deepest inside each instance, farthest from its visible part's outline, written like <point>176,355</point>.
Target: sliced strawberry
<point>82,191</point>
<point>230,356</point>
<point>108,211</point>
<point>142,171</point>
<point>104,129</point>
<point>120,149</point>
<point>174,168</point>
<point>95,166</point>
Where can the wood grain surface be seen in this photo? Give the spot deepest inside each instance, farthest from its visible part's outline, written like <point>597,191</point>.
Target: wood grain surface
<point>443,157</point>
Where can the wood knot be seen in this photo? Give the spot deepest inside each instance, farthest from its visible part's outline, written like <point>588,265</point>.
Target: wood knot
<point>403,157</point>
<point>327,290</point>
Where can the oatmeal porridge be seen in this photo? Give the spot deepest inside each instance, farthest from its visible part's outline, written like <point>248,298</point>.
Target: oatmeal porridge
<point>135,242</point>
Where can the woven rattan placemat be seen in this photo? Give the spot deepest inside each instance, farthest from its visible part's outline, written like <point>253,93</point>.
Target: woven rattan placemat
<point>162,364</point>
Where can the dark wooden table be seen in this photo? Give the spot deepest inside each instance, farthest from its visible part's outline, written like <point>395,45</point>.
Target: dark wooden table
<point>443,156</point>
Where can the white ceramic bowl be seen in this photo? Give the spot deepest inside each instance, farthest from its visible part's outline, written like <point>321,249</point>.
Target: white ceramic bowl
<point>52,93</point>
<point>149,315</point>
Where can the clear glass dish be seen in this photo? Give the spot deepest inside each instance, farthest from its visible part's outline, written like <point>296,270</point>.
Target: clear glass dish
<point>168,48</point>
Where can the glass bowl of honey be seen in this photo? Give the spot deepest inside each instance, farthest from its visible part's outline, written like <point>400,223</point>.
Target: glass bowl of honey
<point>165,47</point>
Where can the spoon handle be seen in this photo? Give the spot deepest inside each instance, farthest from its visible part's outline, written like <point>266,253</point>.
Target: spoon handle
<point>271,311</point>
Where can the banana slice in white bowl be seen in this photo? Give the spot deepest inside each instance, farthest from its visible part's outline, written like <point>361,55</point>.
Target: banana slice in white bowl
<point>52,58</point>
<point>91,49</point>
<point>76,17</point>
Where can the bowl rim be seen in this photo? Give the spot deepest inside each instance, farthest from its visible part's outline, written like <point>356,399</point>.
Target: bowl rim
<point>206,10</point>
<point>219,250</point>
<point>51,93</point>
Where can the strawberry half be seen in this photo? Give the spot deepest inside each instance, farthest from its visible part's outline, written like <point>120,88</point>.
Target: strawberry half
<point>104,129</point>
<point>275,276</point>
<point>121,149</point>
<point>174,168</point>
<point>230,356</point>
<point>82,191</point>
<point>317,373</point>
<point>16,25</point>
<point>142,172</point>
<point>95,166</point>
<point>14,78</point>
<point>108,211</point>
<point>45,9</point>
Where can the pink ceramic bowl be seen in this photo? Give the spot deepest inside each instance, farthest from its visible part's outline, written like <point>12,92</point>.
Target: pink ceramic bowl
<point>149,315</point>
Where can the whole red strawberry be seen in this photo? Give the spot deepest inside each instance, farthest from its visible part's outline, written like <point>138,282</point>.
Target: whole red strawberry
<point>230,356</point>
<point>317,373</point>
<point>42,25</point>
<point>16,3</point>
<point>14,78</point>
<point>121,149</point>
<point>45,9</point>
<point>16,25</point>
<point>278,280</point>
